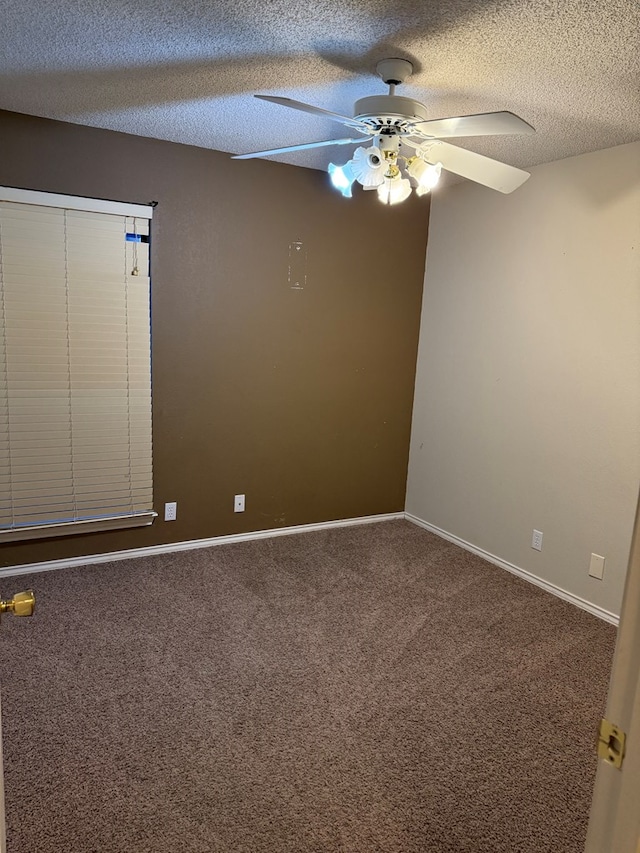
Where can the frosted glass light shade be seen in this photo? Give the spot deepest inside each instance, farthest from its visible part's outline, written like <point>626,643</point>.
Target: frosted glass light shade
<point>394,191</point>
<point>342,177</point>
<point>368,166</point>
<point>425,174</point>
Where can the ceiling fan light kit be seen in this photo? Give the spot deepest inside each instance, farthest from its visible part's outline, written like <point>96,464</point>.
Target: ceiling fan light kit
<point>397,123</point>
<point>379,168</point>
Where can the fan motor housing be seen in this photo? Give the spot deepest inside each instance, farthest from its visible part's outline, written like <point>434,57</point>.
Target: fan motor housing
<point>392,111</point>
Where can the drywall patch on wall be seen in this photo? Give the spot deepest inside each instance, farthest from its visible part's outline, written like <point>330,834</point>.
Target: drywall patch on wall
<point>297,272</point>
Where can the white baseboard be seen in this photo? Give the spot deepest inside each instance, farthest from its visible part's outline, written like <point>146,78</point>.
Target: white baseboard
<point>133,553</point>
<point>582,603</point>
<point>172,547</point>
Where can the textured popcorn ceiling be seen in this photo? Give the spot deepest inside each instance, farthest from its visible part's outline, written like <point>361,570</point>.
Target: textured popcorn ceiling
<point>185,70</point>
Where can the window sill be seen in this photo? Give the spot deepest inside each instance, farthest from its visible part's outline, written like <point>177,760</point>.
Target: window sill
<point>74,528</point>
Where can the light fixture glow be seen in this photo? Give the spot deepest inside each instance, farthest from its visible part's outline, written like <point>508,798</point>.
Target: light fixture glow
<point>342,177</point>
<point>394,190</point>
<point>426,174</point>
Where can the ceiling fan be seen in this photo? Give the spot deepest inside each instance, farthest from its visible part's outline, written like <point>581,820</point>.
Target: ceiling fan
<point>397,123</point>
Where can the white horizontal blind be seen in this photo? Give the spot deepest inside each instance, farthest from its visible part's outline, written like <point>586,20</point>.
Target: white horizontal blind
<point>75,375</point>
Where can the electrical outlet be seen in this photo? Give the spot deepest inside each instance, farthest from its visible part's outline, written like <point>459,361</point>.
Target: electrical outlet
<point>171,511</point>
<point>536,540</point>
<point>596,567</point>
<point>238,503</point>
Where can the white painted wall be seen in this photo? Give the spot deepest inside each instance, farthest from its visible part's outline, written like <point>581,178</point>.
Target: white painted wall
<point>527,403</point>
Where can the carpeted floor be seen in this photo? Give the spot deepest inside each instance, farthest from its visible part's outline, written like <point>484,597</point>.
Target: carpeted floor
<point>356,690</point>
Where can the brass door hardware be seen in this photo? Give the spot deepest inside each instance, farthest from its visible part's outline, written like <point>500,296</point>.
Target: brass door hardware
<point>22,604</point>
<point>611,743</point>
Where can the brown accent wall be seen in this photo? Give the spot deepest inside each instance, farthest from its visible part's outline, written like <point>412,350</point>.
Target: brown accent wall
<point>300,399</point>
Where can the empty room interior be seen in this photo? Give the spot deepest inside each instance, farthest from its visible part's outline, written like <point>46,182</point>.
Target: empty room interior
<point>319,421</point>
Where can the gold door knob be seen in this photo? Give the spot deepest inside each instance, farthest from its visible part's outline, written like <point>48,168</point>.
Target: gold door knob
<point>22,604</point>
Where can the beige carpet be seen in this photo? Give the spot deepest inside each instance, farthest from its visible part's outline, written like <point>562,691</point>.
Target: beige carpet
<point>357,690</point>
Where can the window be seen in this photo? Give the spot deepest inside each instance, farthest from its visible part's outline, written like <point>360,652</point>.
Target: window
<point>75,369</point>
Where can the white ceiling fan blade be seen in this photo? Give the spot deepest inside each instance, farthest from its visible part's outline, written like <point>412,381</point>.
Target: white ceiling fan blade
<point>302,147</point>
<point>316,111</point>
<point>475,167</point>
<point>482,124</point>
